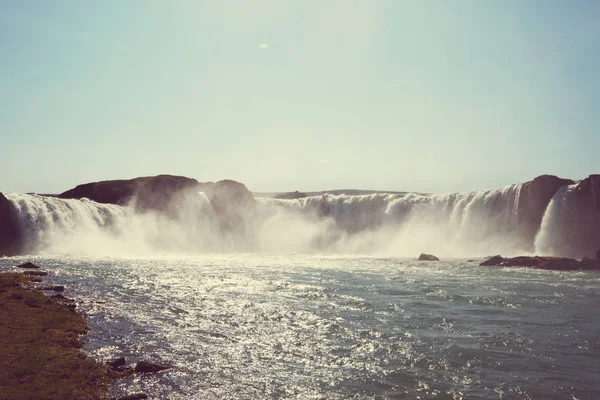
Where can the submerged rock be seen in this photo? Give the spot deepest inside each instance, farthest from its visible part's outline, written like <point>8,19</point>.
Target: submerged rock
<point>136,396</point>
<point>148,367</point>
<point>55,288</point>
<point>35,273</point>
<point>428,257</point>
<point>28,265</point>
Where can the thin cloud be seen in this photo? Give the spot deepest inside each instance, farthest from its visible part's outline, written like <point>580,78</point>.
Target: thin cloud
<point>323,162</point>
<point>264,46</point>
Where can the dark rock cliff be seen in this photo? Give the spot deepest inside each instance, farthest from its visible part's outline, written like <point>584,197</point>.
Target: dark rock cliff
<point>11,236</point>
<point>146,193</point>
<point>534,199</point>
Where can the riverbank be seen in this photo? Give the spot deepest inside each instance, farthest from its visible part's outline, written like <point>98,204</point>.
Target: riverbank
<point>40,347</point>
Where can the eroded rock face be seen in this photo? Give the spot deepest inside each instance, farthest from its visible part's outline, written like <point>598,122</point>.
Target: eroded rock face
<point>428,257</point>
<point>232,202</point>
<point>589,189</point>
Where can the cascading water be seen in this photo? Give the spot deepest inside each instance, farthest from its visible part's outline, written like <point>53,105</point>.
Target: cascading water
<point>66,226</point>
<point>479,222</point>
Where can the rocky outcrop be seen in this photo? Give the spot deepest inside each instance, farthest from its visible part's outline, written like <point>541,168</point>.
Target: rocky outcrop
<point>291,195</point>
<point>553,263</point>
<point>589,190</point>
<point>11,235</point>
<point>428,257</point>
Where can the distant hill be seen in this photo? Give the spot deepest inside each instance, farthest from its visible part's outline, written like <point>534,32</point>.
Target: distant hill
<point>335,192</point>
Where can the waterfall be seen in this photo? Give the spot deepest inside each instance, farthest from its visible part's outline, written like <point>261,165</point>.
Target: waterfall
<point>475,223</point>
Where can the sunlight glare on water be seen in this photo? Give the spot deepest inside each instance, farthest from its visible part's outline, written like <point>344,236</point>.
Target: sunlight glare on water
<point>247,326</point>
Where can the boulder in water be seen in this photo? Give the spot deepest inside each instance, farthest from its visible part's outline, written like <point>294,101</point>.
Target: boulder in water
<point>28,265</point>
<point>493,262</point>
<point>148,367</point>
<point>117,362</point>
<point>428,257</point>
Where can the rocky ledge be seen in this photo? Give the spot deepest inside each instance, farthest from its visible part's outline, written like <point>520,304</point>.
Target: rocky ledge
<point>553,263</point>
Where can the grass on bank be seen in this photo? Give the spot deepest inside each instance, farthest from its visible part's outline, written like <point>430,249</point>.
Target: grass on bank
<point>40,356</point>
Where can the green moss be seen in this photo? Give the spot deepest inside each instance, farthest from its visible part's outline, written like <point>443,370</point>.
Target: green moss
<point>40,355</point>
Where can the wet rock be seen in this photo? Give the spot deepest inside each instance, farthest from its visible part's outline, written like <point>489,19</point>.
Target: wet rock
<point>136,396</point>
<point>561,264</point>
<point>55,288</point>
<point>589,263</point>
<point>61,297</point>
<point>148,367</point>
<point>551,263</point>
<point>35,273</point>
<point>428,257</point>
<point>117,362</point>
<point>28,265</point>
<point>493,262</point>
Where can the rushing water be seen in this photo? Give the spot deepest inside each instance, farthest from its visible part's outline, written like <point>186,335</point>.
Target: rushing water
<point>247,326</point>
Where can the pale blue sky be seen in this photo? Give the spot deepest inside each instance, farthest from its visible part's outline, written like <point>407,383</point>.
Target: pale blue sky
<point>431,96</point>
